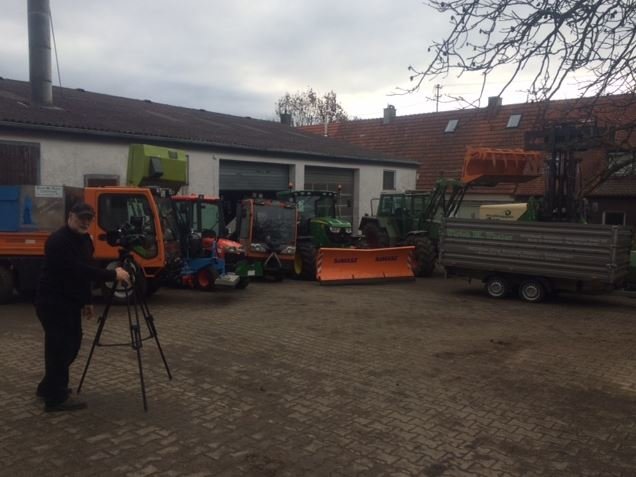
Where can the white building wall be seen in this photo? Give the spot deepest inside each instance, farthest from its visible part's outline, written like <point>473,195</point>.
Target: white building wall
<point>66,161</point>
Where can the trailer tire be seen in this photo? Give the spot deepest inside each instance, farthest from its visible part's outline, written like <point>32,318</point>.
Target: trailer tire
<point>305,261</point>
<point>7,283</point>
<point>424,256</point>
<point>532,291</point>
<point>498,287</point>
<point>374,236</point>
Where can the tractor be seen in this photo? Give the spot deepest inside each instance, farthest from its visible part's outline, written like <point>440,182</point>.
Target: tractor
<point>209,259</point>
<point>414,217</point>
<point>318,226</point>
<point>267,231</point>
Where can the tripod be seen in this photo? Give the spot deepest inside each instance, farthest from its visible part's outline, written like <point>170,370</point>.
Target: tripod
<point>136,305</point>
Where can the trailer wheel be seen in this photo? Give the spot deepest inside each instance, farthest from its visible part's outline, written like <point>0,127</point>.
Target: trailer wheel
<point>498,287</point>
<point>532,291</point>
<point>7,283</point>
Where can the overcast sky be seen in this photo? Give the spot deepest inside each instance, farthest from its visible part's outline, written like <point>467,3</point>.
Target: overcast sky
<point>239,56</point>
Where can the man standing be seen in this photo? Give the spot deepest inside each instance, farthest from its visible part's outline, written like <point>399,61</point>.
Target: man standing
<point>64,295</point>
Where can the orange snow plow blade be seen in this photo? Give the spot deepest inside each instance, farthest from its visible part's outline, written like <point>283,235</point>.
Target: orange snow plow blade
<point>487,166</point>
<point>351,265</point>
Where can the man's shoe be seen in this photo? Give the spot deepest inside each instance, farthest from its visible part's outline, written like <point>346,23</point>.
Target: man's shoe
<point>71,404</point>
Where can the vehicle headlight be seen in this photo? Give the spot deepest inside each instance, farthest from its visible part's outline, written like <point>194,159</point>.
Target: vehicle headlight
<point>348,230</point>
<point>334,230</point>
<point>258,247</point>
<point>289,250</point>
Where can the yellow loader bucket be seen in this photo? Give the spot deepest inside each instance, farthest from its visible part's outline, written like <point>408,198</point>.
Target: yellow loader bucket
<point>351,265</point>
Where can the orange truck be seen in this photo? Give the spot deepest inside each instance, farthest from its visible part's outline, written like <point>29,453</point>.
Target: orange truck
<point>29,214</point>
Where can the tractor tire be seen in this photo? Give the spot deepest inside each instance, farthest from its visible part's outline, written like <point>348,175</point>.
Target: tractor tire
<point>204,279</point>
<point>7,283</point>
<point>424,256</point>
<point>243,282</point>
<point>374,236</point>
<point>305,261</point>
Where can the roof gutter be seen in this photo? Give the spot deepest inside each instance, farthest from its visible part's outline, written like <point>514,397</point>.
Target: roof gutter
<point>172,140</point>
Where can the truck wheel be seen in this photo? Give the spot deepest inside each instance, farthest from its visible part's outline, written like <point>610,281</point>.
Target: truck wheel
<point>498,287</point>
<point>424,256</point>
<point>7,283</point>
<point>375,236</point>
<point>305,261</point>
<point>532,291</point>
<point>121,292</point>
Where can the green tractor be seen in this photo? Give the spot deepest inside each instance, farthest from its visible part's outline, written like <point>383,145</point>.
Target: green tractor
<point>318,226</point>
<point>413,218</point>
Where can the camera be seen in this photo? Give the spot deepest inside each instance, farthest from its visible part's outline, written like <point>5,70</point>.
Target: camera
<point>128,235</point>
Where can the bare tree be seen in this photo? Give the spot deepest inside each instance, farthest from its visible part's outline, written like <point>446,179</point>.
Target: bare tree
<point>308,108</point>
<point>592,41</point>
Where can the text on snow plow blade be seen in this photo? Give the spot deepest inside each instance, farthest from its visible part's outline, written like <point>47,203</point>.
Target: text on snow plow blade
<point>347,265</point>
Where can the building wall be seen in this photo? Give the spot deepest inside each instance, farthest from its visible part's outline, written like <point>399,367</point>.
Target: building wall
<point>65,161</point>
<point>600,205</point>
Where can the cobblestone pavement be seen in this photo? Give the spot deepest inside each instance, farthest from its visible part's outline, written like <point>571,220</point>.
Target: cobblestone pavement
<point>426,378</point>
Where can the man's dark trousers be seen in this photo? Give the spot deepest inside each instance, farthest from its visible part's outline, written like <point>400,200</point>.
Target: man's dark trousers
<point>62,325</point>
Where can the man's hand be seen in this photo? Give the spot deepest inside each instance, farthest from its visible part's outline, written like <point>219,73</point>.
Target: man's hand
<point>88,312</point>
<point>122,275</point>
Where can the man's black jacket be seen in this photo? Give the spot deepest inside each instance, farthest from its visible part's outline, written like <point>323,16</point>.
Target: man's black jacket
<point>67,272</point>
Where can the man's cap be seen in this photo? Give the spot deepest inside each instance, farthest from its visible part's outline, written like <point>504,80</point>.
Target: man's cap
<point>82,209</point>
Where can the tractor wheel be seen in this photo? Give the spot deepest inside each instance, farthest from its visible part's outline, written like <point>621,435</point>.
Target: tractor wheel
<point>532,291</point>
<point>305,261</point>
<point>6,284</point>
<point>374,236</point>
<point>242,284</point>
<point>498,287</point>
<point>424,256</point>
<point>204,279</point>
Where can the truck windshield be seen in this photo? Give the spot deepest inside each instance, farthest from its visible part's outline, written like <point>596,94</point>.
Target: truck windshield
<point>273,224</point>
<point>316,206</point>
<point>207,218</point>
<point>129,212</point>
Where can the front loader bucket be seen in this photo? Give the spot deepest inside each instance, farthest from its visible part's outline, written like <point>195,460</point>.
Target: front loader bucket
<point>358,265</point>
<point>488,166</point>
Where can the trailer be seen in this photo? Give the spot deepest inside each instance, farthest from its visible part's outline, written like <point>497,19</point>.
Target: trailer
<point>536,259</point>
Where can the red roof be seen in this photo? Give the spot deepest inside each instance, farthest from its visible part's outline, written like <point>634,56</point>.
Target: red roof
<point>422,137</point>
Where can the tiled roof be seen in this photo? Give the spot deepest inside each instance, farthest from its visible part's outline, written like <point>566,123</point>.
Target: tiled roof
<point>84,112</point>
<point>421,137</point>
<point>616,187</point>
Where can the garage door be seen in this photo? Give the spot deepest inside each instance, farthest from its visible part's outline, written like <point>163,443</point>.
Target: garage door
<point>328,178</point>
<point>253,176</point>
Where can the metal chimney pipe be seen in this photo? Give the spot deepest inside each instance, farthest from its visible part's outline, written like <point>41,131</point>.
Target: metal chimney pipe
<point>39,18</point>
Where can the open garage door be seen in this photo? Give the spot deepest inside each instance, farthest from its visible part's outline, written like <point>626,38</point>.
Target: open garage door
<point>240,179</point>
<point>328,178</point>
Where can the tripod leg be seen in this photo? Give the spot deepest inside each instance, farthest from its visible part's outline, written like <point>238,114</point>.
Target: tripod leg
<point>150,324</point>
<point>137,346</point>
<point>98,334</point>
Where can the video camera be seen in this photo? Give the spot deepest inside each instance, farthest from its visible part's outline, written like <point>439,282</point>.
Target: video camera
<point>128,235</point>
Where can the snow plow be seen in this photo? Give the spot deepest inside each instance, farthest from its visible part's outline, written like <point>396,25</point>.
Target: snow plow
<point>357,265</point>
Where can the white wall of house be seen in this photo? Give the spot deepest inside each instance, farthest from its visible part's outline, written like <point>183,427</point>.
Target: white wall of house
<point>66,161</point>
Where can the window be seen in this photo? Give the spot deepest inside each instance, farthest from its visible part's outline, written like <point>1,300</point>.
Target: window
<point>100,180</point>
<point>451,126</point>
<point>388,180</point>
<point>513,121</point>
<point>613,218</point>
<point>622,163</point>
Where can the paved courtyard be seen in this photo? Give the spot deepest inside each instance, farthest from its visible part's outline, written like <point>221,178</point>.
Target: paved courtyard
<point>426,378</point>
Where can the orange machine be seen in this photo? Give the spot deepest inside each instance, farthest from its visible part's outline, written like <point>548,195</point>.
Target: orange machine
<point>40,210</point>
